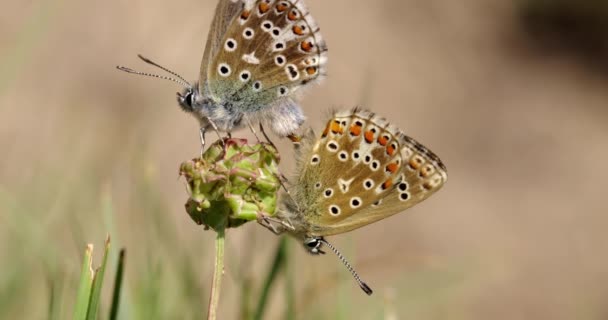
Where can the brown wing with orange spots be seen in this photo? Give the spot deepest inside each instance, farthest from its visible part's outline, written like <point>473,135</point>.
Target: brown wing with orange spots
<point>354,164</point>
<point>362,170</point>
<point>271,49</point>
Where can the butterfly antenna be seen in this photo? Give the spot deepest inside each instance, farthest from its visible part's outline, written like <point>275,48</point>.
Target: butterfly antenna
<point>148,61</point>
<point>362,284</point>
<point>177,79</point>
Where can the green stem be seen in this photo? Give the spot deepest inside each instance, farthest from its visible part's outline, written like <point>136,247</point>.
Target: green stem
<point>277,264</point>
<point>218,272</point>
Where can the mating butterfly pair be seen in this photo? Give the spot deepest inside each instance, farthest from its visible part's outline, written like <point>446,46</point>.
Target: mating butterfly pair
<point>360,170</point>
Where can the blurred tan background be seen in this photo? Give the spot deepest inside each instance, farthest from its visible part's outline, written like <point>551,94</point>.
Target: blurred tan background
<point>515,103</point>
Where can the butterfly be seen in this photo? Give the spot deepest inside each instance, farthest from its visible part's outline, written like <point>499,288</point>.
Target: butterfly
<point>360,170</point>
<point>259,53</point>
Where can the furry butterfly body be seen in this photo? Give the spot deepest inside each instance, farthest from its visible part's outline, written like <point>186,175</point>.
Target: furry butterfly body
<point>258,54</point>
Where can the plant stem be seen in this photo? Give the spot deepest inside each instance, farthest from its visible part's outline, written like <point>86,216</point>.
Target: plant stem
<point>218,272</point>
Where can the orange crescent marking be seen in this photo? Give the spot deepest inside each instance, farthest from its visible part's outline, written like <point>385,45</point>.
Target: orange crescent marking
<point>390,150</point>
<point>336,127</point>
<point>264,7</point>
<point>369,136</point>
<point>245,14</point>
<point>281,7</point>
<point>392,167</point>
<point>387,184</point>
<point>382,140</point>
<point>326,131</point>
<point>306,46</point>
<point>292,15</point>
<point>414,164</point>
<point>298,30</point>
<point>355,130</point>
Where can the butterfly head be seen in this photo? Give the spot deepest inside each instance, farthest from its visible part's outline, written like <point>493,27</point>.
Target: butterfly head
<point>187,99</point>
<point>313,245</point>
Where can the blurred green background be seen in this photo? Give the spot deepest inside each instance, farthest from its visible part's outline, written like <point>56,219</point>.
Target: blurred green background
<point>512,95</point>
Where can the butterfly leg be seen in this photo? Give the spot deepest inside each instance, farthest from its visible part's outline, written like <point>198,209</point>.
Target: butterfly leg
<point>214,126</point>
<point>266,136</point>
<point>281,176</point>
<point>201,133</point>
<point>269,223</point>
<point>253,131</point>
<point>265,222</point>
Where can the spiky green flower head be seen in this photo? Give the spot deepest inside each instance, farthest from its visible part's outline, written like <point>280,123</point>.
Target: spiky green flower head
<point>232,183</point>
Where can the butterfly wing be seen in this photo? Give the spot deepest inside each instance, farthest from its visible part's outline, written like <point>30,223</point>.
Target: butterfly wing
<point>360,171</point>
<point>269,50</point>
<point>224,14</point>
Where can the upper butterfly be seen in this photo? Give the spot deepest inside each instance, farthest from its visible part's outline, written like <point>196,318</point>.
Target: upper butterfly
<point>258,54</point>
<point>360,170</point>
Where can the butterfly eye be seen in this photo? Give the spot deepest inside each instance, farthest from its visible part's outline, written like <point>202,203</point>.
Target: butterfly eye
<point>356,155</point>
<point>368,184</point>
<point>343,155</point>
<point>404,196</point>
<point>186,99</point>
<point>403,186</point>
<point>328,192</point>
<point>315,159</point>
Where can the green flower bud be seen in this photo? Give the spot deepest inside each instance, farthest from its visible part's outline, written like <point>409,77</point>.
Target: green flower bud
<point>232,183</point>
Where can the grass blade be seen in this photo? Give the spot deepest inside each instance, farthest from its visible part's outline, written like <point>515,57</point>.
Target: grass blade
<point>277,264</point>
<point>97,284</point>
<point>117,285</point>
<point>84,287</point>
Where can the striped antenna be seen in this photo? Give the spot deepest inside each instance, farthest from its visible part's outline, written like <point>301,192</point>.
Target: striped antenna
<point>362,284</point>
<point>178,79</point>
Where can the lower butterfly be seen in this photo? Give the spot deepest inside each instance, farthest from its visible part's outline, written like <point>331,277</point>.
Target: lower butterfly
<point>360,170</point>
